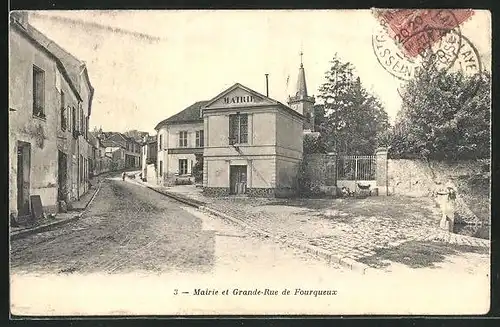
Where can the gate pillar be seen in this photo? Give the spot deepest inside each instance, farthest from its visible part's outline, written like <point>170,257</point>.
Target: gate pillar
<point>381,171</point>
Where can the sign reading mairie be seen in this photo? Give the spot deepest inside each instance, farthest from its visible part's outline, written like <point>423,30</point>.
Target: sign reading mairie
<point>238,96</point>
<point>239,99</point>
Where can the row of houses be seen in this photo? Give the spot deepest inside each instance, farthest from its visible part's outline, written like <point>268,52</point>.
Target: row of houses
<point>52,153</point>
<point>50,104</point>
<point>114,151</point>
<point>238,142</point>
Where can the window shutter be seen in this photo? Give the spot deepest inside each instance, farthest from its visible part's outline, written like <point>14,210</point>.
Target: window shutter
<point>243,128</point>
<point>231,129</point>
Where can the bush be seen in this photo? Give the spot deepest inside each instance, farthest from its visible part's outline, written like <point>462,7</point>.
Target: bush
<point>444,116</point>
<point>198,169</point>
<point>183,181</point>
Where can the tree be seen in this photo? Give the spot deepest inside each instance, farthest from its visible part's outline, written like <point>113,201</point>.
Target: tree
<point>353,119</point>
<point>445,115</point>
<point>136,135</point>
<point>198,169</point>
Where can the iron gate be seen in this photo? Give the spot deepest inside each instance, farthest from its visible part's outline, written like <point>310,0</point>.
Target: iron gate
<point>356,168</point>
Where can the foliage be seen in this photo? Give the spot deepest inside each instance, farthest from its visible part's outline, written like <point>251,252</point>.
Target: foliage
<point>136,135</point>
<point>198,169</point>
<point>314,144</point>
<point>445,115</point>
<point>183,181</point>
<point>350,118</point>
<point>304,180</point>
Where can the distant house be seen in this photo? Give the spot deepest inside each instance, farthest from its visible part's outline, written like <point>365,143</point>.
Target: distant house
<point>180,138</point>
<point>124,151</point>
<point>101,163</point>
<point>149,158</point>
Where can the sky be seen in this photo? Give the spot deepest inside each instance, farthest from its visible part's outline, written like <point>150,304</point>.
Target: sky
<point>148,65</point>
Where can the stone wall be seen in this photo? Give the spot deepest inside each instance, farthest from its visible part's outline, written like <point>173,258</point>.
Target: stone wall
<point>216,191</point>
<point>419,178</point>
<point>261,192</point>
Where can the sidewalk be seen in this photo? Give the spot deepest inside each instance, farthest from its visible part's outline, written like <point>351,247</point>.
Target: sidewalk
<point>347,231</point>
<point>77,208</point>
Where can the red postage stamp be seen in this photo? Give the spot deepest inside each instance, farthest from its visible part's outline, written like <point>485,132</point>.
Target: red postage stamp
<point>419,29</point>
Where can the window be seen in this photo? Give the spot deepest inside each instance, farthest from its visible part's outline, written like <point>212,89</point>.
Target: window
<point>38,92</point>
<point>183,139</point>
<point>81,168</point>
<point>63,112</point>
<point>238,128</point>
<point>160,143</point>
<point>82,120</point>
<point>87,128</point>
<point>183,166</point>
<point>73,117</point>
<point>161,168</point>
<point>199,139</point>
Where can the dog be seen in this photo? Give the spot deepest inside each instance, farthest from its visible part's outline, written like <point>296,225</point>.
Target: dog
<point>346,192</point>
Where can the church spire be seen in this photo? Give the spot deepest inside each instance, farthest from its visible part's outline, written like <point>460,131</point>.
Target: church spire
<point>301,102</point>
<point>301,80</point>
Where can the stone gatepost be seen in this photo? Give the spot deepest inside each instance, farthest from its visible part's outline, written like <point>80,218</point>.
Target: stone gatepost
<point>381,171</point>
<point>331,172</point>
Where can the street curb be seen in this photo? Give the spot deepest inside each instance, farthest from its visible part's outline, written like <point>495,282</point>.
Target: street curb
<point>193,203</point>
<point>43,228</point>
<point>325,254</point>
<point>49,226</point>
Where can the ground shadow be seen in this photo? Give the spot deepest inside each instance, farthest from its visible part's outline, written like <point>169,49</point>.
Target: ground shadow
<point>418,254</point>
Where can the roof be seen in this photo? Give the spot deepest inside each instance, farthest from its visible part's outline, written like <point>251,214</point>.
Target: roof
<point>93,140</point>
<point>110,143</point>
<point>152,139</point>
<point>61,67</point>
<point>188,115</point>
<point>301,82</point>
<point>275,102</point>
<point>71,66</point>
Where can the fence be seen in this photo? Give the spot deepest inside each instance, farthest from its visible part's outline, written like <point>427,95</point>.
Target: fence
<point>356,168</point>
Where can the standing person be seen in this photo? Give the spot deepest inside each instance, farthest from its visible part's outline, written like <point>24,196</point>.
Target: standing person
<point>123,176</point>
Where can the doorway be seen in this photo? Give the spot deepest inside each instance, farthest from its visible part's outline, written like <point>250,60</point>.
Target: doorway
<point>23,178</point>
<point>238,179</point>
<point>62,172</point>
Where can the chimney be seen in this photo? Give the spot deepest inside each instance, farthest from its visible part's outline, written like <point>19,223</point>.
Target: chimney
<point>267,85</point>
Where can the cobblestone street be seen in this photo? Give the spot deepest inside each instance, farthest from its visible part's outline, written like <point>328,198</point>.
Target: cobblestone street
<point>358,229</point>
<point>131,228</point>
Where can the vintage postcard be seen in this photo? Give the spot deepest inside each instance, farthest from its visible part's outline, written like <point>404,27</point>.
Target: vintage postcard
<point>249,162</point>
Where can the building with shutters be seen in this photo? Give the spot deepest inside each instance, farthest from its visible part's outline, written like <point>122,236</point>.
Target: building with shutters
<point>246,142</point>
<point>50,100</point>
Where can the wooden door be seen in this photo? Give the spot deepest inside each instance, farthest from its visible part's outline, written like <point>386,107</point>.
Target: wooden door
<point>62,190</point>
<point>238,179</point>
<point>23,178</point>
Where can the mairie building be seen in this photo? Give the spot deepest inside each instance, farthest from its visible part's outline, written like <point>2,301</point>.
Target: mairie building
<point>248,143</point>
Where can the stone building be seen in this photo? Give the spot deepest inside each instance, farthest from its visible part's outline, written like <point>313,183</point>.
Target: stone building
<point>125,152</point>
<point>248,143</point>
<point>149,158</point>
<point>180,138</point>
<point>50,98</point>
